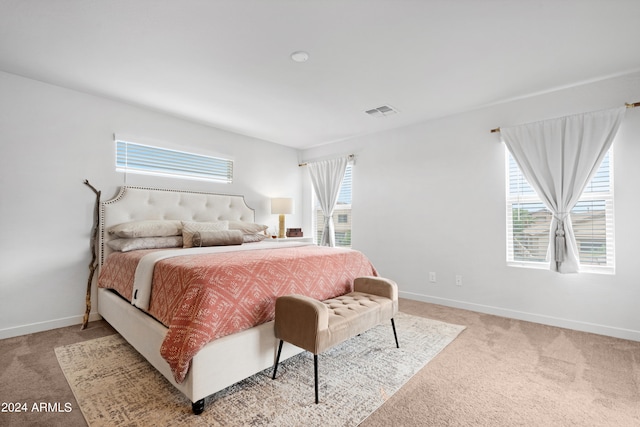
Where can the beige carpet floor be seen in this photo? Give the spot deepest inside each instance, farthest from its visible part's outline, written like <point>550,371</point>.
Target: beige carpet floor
<point>498,372</point>
<point>505,372</point>
<point>114,385</point>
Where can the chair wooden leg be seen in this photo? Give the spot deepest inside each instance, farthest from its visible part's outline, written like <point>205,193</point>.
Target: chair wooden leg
<point>275,367</point>
<point>315,374</point>
<point>393,325</point>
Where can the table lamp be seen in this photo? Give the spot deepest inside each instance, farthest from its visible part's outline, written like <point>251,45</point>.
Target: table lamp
<point>281,206</point>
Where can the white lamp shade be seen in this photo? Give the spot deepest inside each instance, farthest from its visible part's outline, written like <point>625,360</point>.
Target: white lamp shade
<point>282,205</point>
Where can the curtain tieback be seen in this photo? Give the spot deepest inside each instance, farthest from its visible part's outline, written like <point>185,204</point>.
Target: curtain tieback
<point>560,240</point>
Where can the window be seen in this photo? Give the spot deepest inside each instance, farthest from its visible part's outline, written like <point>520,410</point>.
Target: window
<point>145,159</point>
<point>341,214</point>
<point>528,221</point>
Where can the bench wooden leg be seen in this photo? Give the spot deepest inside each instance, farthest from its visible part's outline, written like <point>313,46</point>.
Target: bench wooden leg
<point>393,325</point>
<point>275,367</point>
<point>315,374</point>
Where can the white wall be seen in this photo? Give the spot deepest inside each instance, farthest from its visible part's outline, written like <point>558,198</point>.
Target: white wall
<point>430,197</point>
<point>414,190</point>
<point>51,139</point>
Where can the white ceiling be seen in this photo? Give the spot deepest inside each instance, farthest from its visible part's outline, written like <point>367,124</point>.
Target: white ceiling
<point>226,63</point>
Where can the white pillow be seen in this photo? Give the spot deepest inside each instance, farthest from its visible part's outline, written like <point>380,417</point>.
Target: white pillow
<point>133,244</point>
<point>253,238</point>
<point>147,228</point>
<point>247,227</point>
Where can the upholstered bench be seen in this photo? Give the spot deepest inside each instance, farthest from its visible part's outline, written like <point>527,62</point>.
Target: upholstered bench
<point>316,326</point>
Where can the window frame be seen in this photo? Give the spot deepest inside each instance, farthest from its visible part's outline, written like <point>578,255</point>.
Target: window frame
<point>530,197</point>
<point>316,221</point>
<point>167,162</point>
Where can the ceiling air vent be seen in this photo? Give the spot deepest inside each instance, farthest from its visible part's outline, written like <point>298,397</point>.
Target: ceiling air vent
<point>382,111</point>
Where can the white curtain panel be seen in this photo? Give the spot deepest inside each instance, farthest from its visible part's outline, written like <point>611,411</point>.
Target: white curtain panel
<point>326,177</point>
<point>558,157</point>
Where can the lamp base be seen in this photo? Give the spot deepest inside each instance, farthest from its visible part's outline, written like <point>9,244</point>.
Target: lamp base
<point>281,229</point>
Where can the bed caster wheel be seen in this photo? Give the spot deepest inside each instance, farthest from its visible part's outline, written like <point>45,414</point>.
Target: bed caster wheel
<point>197,407</point>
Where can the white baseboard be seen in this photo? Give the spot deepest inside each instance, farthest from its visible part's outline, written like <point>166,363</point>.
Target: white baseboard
<point>611,331</point>
<point>45,326</point>
<point>628,334</point>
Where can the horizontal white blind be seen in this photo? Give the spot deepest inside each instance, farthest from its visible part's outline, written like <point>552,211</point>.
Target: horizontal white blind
<point>139,158</point>
<point>344,197</point>
<point>528,220</point>
<point>529,231</point>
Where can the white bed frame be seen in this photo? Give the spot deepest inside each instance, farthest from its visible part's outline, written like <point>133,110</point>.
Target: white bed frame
<point>220,363</point>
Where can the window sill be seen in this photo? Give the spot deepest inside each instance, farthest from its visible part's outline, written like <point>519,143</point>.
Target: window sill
<point>545,266</point>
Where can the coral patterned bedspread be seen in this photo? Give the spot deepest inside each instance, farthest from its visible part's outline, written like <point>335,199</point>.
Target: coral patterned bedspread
<point>207,296</point>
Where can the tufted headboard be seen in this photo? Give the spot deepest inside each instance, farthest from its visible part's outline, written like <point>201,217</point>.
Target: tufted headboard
<point>138,203</point>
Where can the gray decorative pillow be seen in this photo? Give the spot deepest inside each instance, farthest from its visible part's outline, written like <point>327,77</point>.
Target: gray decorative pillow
<point>217,238</point>
<point>190,227</point>
<point>135,243</point>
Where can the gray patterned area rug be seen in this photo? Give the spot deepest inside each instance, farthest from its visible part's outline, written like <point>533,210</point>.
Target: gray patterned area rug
<point>115,386</point>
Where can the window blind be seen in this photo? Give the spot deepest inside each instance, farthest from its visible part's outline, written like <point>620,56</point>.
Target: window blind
<point>146,159</point>
<point>344,197</point>
<point>528,221</point>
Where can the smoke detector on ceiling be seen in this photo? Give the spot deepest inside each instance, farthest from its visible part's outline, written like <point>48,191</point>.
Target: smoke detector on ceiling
<point>382,111</point>
<point>300,56</point>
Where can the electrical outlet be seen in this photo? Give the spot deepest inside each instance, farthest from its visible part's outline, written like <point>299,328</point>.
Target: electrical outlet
<point>432,277</point>
<point>458,280</point>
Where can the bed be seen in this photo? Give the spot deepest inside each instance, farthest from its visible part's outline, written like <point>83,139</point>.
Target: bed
<point>221,358</point>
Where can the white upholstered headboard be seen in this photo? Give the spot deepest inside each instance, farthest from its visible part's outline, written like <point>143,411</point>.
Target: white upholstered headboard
<point>138,203</point>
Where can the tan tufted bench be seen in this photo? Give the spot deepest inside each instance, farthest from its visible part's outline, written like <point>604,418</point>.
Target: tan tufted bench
<point>319,325</point>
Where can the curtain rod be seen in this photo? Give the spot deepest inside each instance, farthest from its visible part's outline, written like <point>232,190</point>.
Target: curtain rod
<point>350,157</point>
<point>635,104</point>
